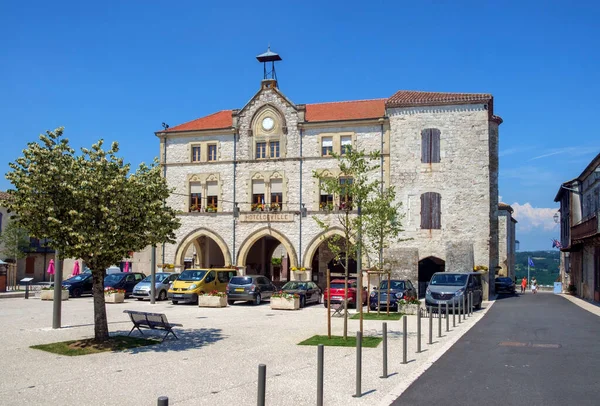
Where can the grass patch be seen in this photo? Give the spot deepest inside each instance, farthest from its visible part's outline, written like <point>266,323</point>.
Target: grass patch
<point>338,341</point>
<point>89,346</point>
<point>375,316</point>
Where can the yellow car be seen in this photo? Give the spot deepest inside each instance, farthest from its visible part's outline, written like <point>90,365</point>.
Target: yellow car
<point>194,282</point>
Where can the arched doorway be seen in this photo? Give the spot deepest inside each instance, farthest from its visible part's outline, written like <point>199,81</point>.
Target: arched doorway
<point>319,258</point>
<point>202,249</point>
<point>427,267</point>
<point>268,252</point>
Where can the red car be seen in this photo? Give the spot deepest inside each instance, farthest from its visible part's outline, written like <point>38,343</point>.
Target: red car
<point>336,289</point>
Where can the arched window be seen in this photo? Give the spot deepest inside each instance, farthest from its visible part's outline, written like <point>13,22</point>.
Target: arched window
<point>430,145</point>
<point>431,210</point>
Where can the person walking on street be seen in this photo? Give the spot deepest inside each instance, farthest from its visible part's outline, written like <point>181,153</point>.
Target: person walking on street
<point>523,284</point>
<point>534,285</point>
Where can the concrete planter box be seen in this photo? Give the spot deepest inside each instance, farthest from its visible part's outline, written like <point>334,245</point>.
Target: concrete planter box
<point>49,294</point>
<point>280,303</point>
<point>114,298</point>
<point>409,308</point>
<point>212,301</point>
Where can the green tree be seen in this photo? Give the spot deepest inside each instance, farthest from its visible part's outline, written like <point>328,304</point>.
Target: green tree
<point>381,221</point>
<point>90,206</point>
<point>351,187</point>
<point>14,240</point>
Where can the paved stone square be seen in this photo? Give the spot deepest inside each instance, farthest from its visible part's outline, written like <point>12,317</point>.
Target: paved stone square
<point>215,361</point>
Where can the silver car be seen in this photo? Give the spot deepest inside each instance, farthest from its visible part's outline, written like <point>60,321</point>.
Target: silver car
<point>163,281</point>
<point>451,287</point>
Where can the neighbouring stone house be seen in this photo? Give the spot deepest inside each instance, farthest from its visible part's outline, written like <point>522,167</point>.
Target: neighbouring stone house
<point>243,180</point>
<point>580,232</point>
<point>506,240</point>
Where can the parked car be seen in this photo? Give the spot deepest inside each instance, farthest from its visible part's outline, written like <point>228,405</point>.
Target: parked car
<point>451,287</point>
<point>124,280</point>
<point>250,288</point>
<point>336,291</point>
<point>79,284</point>
<point>162,284</point>
<point>194,282</point>
<point>398,290</point>
<point>504,284</point>
<point>309,292</point>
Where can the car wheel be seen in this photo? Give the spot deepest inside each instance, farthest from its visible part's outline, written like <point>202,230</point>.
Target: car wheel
<point>478,306</point>
<point>162,295</point>
<point>230,302</point>
<point>76,292</point>
<point>140,299</point>
<point>257,299</point>
<point>302,301</point>
<point>174,301</point>
<point>325,303</point>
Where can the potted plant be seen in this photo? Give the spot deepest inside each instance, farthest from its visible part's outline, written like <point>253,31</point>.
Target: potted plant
<point>113,295</point>
<point>295,269</point>
<point>47,293</point>
<point>285,301</point>
<point>409,305</point>
<point>275,207</point>
<point>257,207</point>
<point>213,299</point>
<point>326,206</point>
<point>195,207</point>
<point>211,209</point>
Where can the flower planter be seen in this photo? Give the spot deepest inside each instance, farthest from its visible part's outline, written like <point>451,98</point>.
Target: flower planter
<point>212,301</point>
<point>114,298</point>
<point>280,303</point>
<point>49,294</point>
<point>409,308</point>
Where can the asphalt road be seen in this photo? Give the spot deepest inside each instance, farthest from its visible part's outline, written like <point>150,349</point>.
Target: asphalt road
<point>528,350</point>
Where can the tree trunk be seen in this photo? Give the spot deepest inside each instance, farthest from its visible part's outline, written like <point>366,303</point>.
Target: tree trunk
<point>346,296</point>
<point>100,320</point>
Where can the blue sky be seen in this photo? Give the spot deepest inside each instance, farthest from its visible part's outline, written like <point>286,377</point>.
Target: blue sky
<point>116,70</point>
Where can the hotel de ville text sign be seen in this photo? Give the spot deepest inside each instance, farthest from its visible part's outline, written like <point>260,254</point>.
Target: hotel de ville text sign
<point>267,217</point>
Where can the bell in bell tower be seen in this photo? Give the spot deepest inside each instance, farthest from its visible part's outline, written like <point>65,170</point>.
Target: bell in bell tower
<point>269,76</point>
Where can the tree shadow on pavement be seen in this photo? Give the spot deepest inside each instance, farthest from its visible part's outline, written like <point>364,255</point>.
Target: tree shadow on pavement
<point>188,339</point>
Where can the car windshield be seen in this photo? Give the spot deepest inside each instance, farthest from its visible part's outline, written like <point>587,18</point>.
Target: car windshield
<point>79,278</point>
<point>451,279</point>
<point>295,286</point>
<point>240,280</point>
<point>393,285</point>
<point>189,275</point>
<point>159,278</point>
<point>340,285</point>
<point>113,278</point>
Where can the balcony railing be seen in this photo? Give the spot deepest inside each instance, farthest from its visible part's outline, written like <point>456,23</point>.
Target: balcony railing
<point>585,229</point>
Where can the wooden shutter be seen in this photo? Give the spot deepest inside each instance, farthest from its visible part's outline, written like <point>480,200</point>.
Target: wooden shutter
<point>436,210</point>
<point>425,211</point>
<point>425,146</point>
<point>435,145</point>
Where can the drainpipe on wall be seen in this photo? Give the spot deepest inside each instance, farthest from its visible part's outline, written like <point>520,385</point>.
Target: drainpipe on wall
<point>164,176</point>
<point>235,135</point>
<point>381,188</point>
<point>301,205</point>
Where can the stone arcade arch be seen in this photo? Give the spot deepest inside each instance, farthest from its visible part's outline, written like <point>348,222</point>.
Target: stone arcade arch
<point>427,267</point>
<point>249,242</point>
<point>192,238</point>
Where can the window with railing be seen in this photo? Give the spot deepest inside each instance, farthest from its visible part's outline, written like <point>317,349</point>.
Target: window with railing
<point>212,199</point>
<point>195,196</point>
<point>258,195</point>
<point>276,195</point>
<point>346,193</point>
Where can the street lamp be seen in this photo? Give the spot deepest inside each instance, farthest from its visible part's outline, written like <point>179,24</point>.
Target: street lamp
<point>556,217</point>
<point>517,245</point>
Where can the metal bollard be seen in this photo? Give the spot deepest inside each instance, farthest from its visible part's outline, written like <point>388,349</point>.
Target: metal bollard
<point>262,384</point>
<point>320,357</point>
<point>419,330</point>
<point>385,354</point>
<point>404,340</point>
<point>439,319</point>
<point>26,290</point>
<point>430,326</point>
<point>471,304</point>
<point>163,401</point>
<point>464,307</point>
<point>358,364</point>
<point>447,318</point>
<point>453,313</point>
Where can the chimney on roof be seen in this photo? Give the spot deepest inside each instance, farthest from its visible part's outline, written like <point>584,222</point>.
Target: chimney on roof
<point>269,77</point>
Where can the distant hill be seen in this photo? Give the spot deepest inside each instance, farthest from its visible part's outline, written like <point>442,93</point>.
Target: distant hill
<point>545,267</point>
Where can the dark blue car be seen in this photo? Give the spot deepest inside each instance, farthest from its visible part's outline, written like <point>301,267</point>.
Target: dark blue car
<point>398,289</point>
<point>79,285</point>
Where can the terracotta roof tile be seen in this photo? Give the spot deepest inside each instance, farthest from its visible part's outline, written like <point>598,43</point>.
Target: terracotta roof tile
<point>215,121</point>
<point>346,110</point>
<point>411,98</point>
<point>4,195</point>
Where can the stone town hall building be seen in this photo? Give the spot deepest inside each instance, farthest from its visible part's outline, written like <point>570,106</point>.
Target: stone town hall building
<point>244,182</point>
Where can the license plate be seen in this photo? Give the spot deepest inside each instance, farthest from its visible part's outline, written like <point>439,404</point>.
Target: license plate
<point>177,295</point>
<point>239,289</point>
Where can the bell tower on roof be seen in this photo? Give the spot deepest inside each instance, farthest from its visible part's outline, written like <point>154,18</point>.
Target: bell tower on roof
<point>269,76</point>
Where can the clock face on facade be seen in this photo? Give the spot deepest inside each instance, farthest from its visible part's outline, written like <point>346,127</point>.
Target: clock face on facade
<point>268,123</point>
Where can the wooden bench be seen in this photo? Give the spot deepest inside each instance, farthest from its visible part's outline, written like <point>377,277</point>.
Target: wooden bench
<point>152,321</point>
<point>338,309</point>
